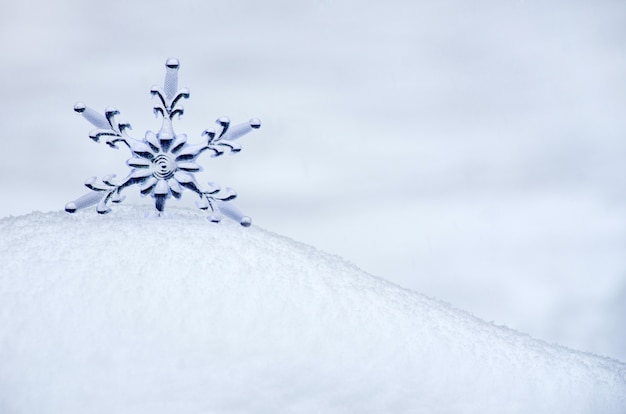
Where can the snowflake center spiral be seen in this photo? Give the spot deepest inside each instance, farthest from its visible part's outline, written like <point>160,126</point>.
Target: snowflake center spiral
<point>163,166</point>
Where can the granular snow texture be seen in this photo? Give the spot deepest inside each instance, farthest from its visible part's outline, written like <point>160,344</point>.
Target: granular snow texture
<point>131,314</point>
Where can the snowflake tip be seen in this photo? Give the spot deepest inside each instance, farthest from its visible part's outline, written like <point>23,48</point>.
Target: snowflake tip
<point>210,133</point>
<point>255,123</point>
<point>80,107</point>
<point>223,121</point>
<point>172,63</point>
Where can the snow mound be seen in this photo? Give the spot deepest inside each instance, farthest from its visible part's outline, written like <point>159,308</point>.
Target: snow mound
<point>131,314</point>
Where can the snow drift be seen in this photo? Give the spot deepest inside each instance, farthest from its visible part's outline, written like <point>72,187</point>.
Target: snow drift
<point>131,314</point>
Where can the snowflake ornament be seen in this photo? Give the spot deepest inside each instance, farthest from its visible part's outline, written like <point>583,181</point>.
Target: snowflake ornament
<point>163,164</point>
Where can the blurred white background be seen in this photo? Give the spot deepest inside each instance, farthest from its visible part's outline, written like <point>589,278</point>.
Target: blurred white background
<point>470,150</point>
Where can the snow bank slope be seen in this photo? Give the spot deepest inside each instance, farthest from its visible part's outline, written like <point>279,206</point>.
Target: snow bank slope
<point>128,314</point>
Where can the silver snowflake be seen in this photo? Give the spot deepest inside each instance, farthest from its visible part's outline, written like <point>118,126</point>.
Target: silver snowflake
<point>163,163</point>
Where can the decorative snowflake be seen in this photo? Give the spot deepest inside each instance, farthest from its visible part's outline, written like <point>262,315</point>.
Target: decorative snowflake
<point>163,164</point>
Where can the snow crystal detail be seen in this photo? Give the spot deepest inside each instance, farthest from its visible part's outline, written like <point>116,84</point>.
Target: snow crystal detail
<point>163,163</point>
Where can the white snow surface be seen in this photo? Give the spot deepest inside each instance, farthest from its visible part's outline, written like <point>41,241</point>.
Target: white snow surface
<point>132,314</point>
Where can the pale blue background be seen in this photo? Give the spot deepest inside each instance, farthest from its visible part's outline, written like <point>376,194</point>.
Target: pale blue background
<point>470,150</point>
